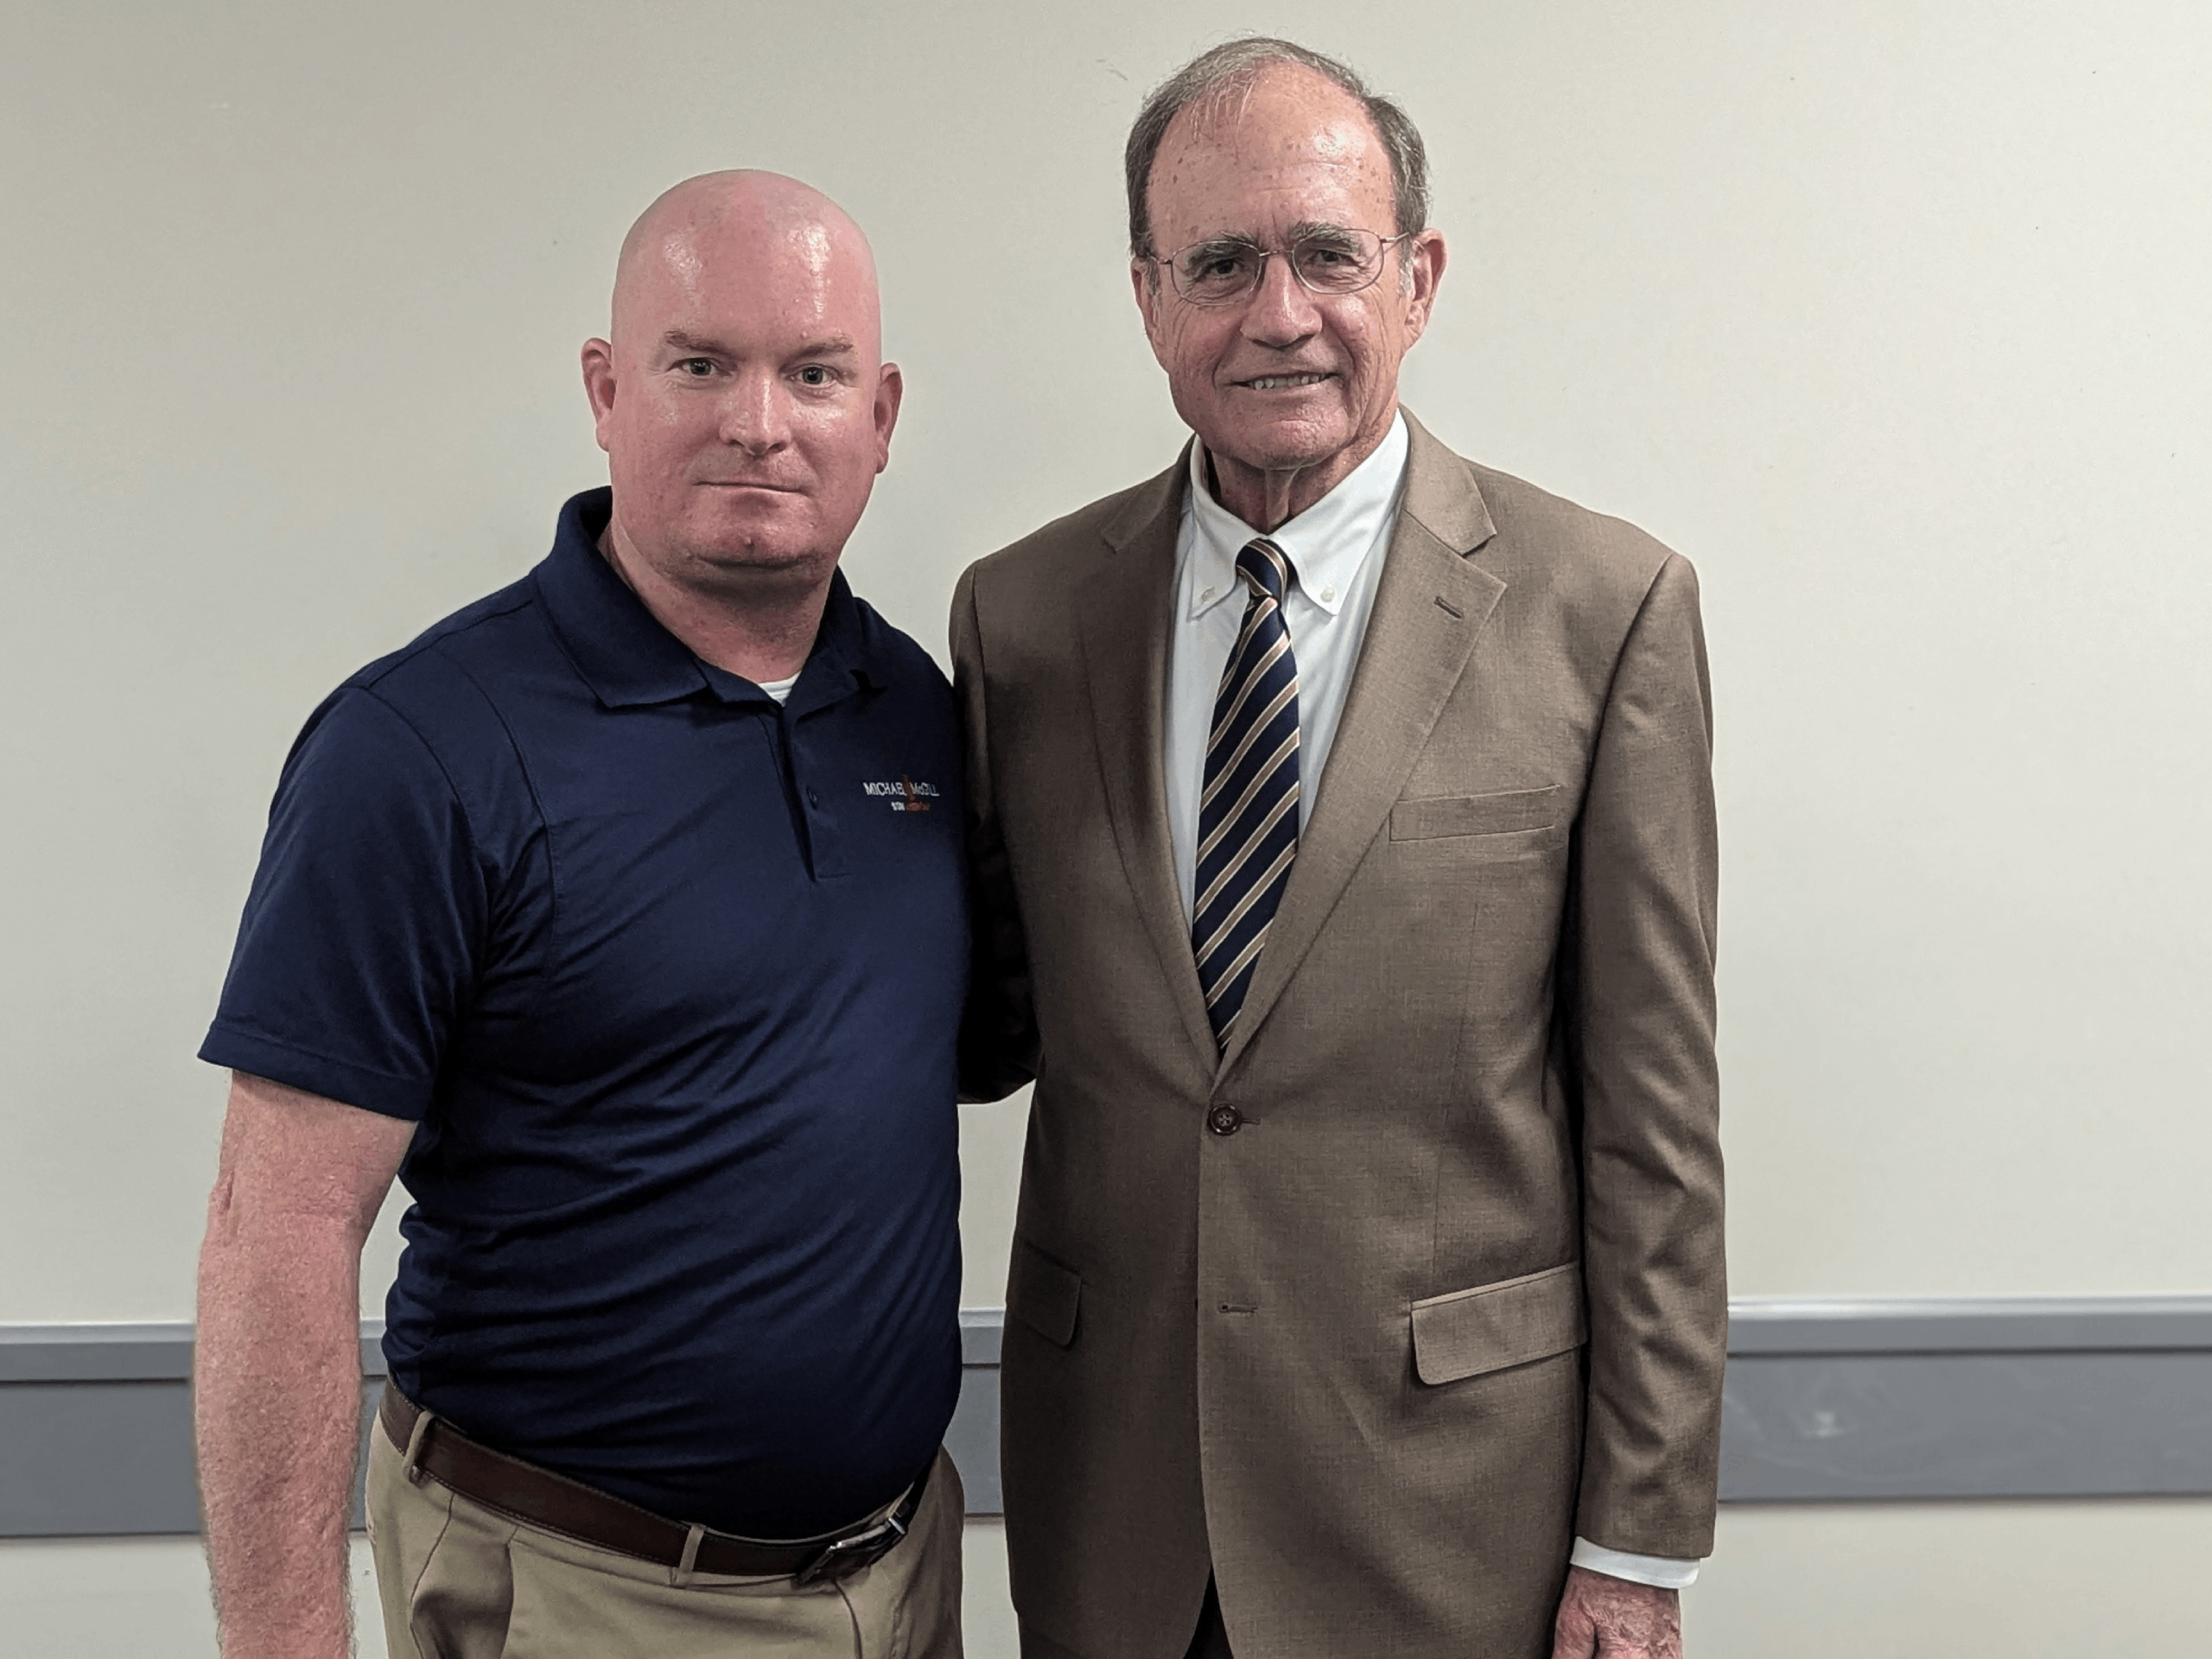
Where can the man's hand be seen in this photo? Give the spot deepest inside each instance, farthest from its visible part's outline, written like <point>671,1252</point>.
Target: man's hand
<point>1602,1618</point>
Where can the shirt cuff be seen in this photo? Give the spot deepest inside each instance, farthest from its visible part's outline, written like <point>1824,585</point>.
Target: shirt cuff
<point>1662,1572</point>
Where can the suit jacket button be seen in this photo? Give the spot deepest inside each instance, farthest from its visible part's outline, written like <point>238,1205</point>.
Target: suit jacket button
<point>1224,1120</point>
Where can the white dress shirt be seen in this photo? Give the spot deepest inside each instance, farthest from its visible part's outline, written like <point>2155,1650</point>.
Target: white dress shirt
<point>1336,548</point>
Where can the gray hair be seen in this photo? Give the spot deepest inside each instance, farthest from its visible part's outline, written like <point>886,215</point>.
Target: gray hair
<point>1232,67</point>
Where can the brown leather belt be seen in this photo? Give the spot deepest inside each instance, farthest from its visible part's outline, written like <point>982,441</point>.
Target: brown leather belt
<point>525,1492</point>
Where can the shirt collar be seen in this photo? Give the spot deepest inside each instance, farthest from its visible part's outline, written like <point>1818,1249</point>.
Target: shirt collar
<point>1326,545</point>
<point>628,658</point>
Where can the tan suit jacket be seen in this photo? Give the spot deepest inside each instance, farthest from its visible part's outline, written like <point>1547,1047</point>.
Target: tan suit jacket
<point>1451,1289</point>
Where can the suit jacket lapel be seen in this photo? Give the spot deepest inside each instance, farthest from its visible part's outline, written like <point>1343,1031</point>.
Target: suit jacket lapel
<point>1125,614</point>
<point>1429,608</point>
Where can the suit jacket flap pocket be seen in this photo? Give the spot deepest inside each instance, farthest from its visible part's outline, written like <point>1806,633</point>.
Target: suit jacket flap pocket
<point>1492,1326</point>
<point>1476,815</point>
<point>1042,1294</point>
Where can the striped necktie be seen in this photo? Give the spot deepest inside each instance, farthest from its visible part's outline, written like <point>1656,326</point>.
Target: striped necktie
<point>1247,814</point>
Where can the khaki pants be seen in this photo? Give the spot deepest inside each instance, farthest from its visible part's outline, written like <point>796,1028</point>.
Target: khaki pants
<point>461,1582</point>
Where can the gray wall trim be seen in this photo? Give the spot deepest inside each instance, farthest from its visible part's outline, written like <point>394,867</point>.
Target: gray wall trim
<point>980,1330</point>
<point>1825,1427</point>
<point>1967,1324</point>
<point>1756,1326</point>
<point>96,1425</point>
<point>1827,1401</point>
<point>95,1353</point>
<point>124,1353</point>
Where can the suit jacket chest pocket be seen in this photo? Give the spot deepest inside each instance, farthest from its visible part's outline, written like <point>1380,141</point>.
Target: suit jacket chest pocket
<point>1507,823</point>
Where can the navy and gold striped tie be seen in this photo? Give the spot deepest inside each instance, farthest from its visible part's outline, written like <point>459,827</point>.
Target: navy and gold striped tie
<point>1247,814</point>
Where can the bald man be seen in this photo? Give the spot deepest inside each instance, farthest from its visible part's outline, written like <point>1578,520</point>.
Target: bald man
<point>622,916</point>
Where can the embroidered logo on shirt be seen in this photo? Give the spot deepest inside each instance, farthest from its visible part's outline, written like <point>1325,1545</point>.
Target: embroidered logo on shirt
<point>904,794</point>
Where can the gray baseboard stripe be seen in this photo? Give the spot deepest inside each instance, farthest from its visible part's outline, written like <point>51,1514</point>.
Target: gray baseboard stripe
<point>1827,1401</point>
<point>1998,1397</point>
<point>1965,1324</point>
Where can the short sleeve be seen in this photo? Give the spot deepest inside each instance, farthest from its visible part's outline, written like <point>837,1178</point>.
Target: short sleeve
<point>362,934</point>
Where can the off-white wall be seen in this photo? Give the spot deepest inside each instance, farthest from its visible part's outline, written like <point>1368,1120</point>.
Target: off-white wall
<point>1893,317</point>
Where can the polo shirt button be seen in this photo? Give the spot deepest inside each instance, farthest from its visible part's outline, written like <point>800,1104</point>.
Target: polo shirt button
<point>813,799</point>
<point>1224,1120</point>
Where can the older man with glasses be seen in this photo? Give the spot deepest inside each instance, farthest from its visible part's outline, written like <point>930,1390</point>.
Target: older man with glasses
<point>1343,830</point>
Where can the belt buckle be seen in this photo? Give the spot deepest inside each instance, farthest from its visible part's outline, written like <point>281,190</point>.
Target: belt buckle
<point>863,1548</point>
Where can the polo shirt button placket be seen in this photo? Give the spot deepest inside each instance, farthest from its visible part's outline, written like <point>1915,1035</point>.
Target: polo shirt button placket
<point>824,845</point>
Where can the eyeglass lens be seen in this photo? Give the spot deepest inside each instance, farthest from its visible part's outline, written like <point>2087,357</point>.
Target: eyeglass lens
<point>1228,268</point>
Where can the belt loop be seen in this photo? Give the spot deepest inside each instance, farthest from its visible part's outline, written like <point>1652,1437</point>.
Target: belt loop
<point>680,1574</point>
<point>412,1467</point>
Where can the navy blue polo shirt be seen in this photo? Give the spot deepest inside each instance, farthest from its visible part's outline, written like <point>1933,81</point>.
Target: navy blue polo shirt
<point>669,977</point>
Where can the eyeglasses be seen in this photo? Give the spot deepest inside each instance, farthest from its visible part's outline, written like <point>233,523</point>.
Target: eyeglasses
<point>1221,270</point>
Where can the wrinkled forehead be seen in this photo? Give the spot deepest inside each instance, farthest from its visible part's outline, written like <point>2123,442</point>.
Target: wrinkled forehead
<point>1256,161</point>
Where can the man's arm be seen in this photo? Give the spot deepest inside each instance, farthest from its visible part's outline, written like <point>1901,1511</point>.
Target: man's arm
<point>1636,990</point>
<point>276,1370</point>
<point>1640,1021</point>
<point>998,1031</point>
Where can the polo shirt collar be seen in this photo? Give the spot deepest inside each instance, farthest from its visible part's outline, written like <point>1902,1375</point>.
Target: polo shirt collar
<point>629,660</point>
<point>1326,545</point>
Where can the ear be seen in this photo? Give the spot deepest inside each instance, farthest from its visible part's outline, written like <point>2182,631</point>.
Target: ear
<point>599,387</point>
<point>1424,256</point>
<point>890,388</point>
<point>1151,305</point>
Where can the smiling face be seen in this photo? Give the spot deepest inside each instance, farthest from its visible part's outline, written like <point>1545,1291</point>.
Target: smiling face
<point>742,401</point>
<point>1288,390</point>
